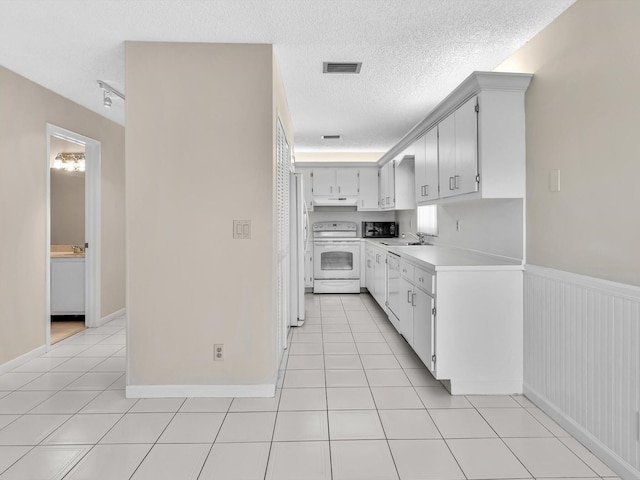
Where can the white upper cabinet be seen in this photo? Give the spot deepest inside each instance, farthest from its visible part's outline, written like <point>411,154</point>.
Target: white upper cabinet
<point>324,182</point>
<point>368,189</point>
<point>347,181</point>
<point>397,183</point>
<point>477,135</point>
<point>426,157</point>
<point>335,181</point>
<point>458,146</point>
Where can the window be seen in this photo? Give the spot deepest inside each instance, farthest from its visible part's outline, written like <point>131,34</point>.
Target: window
<point>428,220</point>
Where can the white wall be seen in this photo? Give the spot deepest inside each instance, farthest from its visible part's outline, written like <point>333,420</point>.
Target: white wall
<point>491,226</point>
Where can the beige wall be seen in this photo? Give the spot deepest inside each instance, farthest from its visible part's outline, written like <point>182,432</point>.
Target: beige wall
<point>582,119</point>
<point>200,153</point>
<point>25,110</point>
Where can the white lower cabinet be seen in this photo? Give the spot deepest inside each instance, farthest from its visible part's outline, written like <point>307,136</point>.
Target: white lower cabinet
<point>376,274</point>
<point>417,314</point>
<point>67,286</point>
<point>423,327</point>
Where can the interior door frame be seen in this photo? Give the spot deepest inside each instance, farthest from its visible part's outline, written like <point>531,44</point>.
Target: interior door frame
<point>92,225</point>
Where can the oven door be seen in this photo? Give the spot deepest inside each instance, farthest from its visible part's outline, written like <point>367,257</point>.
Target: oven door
<point>335,259</point>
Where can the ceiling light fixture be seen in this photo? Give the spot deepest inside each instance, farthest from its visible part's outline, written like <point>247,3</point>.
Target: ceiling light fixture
<point>108,90</point>
<point>71,162</point>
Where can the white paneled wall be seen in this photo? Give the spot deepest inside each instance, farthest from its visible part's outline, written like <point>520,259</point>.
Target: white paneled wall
<point>582,359</point>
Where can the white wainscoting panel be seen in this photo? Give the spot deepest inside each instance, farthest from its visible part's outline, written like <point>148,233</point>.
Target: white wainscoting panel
<point>582,360</point>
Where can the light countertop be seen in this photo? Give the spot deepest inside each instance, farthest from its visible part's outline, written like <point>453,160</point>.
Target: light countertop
<point>439,258</point>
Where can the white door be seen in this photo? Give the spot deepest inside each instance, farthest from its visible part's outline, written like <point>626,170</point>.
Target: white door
<point>391,183</point>
<point>324,181</point>
<point>382,186</point>
<point>406,310</point>
<point>307,184</point>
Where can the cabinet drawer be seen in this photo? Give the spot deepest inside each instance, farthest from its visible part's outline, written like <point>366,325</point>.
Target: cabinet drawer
<point>425,281</point>
<point>407,270</point>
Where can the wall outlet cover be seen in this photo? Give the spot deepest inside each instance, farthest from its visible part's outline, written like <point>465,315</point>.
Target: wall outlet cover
<point>242,229</point>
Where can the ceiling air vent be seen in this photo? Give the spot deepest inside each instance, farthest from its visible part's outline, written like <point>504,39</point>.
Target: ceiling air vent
<point>331,137</point>
<point>336,67</point>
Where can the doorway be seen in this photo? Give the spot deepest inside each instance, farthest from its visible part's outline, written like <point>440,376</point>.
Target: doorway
<point>73,233</point>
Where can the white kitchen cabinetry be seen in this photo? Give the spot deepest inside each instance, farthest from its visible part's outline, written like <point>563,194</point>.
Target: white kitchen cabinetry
<point>307,186</point>
<point>376,271</point>
<point>461,312</point>
<point>335,181</point>
<point>458,145</point>
<point>418,311</point>
<point>368,189</point>
<point>67,286</point>
<point>426,178</point>
<point>480,140</point>
<point>308,265</point>
<point>396,184</point>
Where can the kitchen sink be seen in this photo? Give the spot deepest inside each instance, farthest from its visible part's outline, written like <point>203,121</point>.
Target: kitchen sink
<point>403,244</point>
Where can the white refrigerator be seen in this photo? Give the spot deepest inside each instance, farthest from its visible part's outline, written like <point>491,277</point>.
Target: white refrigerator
<point>299,228</point>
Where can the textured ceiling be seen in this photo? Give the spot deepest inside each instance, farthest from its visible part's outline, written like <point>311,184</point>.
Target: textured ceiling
<point>414,52</point>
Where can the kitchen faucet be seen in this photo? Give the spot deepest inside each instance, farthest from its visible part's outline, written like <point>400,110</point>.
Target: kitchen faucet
<point>419,236</point>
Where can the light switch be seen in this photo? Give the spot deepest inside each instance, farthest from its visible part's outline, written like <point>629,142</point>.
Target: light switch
<point>554,181</point>
<point>242,229</point>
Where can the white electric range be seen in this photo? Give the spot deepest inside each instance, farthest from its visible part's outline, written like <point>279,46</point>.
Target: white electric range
<point>336,254</point>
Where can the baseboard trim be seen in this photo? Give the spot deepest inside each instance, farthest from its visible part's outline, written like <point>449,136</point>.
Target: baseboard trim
<point>22,359</point>
<point>173,391</point>
<point>112,316</point>
<point>488,387</point>
<point>604,453</point>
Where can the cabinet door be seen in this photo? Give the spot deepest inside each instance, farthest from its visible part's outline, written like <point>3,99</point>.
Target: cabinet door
<point>430,165</point>
<point>346,181</point>
<point>447,155</point>
<point>308,266</point>
<point>406,310</point>
<point>391,184</point>
<point>307,186</point>
<point>324,181</point>
<point>382,186</point>
<point>423,327</point>
<point>419,152</point>
<point>370,259</point>
<point>368,189</point>
<point>380,278</point>
<point>466,119</point>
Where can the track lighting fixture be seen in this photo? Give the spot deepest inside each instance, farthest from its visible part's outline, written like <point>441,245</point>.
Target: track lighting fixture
<point>108,90</point>
<point>107,99</point>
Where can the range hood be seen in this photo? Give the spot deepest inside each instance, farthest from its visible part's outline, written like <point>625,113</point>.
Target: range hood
<point>336,201</point>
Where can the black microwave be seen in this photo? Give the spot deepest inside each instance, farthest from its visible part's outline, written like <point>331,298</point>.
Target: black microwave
<point>379,229</point>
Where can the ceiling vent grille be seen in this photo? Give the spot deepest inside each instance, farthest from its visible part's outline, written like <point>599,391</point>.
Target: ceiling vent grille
<point>331,137</point>
<point>346,67</point>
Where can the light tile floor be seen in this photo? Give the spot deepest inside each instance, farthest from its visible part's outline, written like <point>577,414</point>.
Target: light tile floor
<point>353,403</point>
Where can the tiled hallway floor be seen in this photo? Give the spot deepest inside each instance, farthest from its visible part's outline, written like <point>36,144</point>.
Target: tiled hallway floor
<point>354,403</point>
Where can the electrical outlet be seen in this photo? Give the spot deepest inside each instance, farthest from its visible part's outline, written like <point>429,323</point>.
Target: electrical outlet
<point>457,225</point>
<point>218,352</point>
